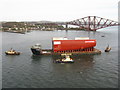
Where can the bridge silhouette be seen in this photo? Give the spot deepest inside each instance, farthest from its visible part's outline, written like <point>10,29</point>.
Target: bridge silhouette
<point>91,23</point>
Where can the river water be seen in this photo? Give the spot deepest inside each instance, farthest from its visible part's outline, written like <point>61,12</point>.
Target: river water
<point>88,71</point>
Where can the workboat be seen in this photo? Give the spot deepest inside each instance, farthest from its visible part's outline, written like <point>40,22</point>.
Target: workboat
<point>12,52</point>
<point>61,45</point>
<point>67,59</point>
<point>107,49</point>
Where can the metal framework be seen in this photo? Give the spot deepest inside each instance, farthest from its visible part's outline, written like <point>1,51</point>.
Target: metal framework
<point>93,23</point>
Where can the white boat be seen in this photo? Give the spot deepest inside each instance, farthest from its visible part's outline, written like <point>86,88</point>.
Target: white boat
<point>67,59</point>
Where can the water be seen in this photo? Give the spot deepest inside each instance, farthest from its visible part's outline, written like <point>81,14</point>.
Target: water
<point>88,71</point>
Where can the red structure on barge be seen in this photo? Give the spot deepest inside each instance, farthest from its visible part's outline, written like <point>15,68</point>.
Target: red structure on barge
<point>81,45</point>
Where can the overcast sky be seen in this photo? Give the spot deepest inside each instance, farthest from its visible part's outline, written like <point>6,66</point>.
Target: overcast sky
<point>56,10</point>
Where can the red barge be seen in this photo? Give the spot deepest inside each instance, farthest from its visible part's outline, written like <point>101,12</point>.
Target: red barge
<point>81,45</point>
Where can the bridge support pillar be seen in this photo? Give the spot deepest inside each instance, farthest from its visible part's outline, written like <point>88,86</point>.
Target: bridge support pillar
<point>66,26</point>
<point>94,29</point>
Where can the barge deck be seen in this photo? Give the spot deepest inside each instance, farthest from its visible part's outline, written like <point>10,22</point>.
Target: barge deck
<point>50,52</point>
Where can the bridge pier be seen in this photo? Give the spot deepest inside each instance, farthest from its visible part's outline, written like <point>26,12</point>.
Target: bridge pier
<point>94,29</point>
<point>66,26</point>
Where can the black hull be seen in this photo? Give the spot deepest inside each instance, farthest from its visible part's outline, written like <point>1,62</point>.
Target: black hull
<point>50,52</point>
<point>64,61</point>
<point>36,51</point>
<point>107,50</point>
<point>11,54</point>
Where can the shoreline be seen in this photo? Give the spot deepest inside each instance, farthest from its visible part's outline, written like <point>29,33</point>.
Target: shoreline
<point>18,31</point>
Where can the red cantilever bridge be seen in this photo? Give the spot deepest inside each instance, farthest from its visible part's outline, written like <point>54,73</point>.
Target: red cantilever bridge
<point>91,23</point>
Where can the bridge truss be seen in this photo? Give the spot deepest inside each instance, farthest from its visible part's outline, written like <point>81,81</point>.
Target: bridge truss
<point>93,23</point>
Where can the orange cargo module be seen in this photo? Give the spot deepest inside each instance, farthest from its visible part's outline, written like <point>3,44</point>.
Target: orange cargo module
<point>79,44</point>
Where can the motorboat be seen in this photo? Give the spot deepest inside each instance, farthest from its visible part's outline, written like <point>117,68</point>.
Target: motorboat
<point>12,52</point>
<point>107,49</point>
<point>67,59</point>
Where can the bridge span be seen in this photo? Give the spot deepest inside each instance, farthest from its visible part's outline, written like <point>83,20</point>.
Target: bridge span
<point>91,23</point>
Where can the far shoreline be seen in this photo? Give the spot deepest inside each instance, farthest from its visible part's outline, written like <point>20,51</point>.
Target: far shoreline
<point>17,31</point>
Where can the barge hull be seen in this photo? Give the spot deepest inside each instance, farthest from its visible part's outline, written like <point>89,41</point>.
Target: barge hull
<point>50,52</point>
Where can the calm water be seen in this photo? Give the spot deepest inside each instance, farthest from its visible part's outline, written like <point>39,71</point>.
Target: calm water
<point>88,71</point>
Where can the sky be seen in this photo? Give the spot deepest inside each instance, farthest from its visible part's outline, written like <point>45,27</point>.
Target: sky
<point>57,10</point>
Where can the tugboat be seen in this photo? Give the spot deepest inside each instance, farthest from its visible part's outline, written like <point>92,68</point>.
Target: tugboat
<point>36,49</point>
<point>12,52</point>
<point>67,59</point>
<point>107,49</point>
